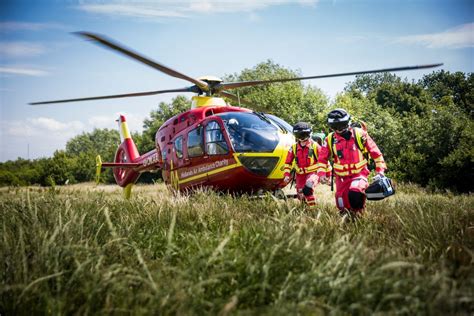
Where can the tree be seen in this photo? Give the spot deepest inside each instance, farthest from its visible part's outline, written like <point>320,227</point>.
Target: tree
<point>426,137</point>
<point>292,101</point>
<point>87,146</point>
<point>458,86</point>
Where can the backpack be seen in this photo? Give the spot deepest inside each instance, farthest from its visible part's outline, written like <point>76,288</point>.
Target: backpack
<point>360,141</point>
<point>311,152</point>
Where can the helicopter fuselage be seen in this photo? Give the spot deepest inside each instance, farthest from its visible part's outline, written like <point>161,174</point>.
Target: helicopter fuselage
<point>227,148</point>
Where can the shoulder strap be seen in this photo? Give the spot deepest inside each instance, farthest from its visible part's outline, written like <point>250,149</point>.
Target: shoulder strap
<point>359,139</point>
<point>331,143</point>
<point>313,151</point>
<point>295,148</point>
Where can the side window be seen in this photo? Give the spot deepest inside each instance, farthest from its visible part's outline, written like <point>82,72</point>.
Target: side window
<point>195,143</point>
<point>178,146</point>
<point>215,141</point>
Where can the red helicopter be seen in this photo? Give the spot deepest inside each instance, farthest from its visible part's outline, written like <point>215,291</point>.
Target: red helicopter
<point>214,144</point>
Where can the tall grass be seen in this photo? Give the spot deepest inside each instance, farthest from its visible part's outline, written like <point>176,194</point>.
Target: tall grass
<point>85,250</point>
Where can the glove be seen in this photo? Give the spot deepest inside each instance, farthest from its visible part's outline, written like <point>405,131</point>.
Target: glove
<point>287,177</point>
<point>309,184</point>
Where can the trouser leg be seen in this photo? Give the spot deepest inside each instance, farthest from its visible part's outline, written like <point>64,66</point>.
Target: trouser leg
<point>306,194</point>
<point>350,193</point>
<point>356,194</point>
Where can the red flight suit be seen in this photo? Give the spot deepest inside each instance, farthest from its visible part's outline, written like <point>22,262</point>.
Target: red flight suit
<point>350,167</point>
<point>305,166</point>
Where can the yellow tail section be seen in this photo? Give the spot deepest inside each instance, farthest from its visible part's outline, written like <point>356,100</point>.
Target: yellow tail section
<point>98,164</point>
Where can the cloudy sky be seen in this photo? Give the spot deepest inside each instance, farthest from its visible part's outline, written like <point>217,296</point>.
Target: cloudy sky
<point>40,58</point>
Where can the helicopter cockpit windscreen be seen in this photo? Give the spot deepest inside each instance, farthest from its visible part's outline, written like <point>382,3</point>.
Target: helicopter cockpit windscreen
<point>280,122</point>
<point>250,132</point>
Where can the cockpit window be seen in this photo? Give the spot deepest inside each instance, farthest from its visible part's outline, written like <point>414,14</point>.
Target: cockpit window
<point>250,132</point>
<point>215,141</point>
<point>195,143</point>
<point>178,146</point>
<point>280,122</point>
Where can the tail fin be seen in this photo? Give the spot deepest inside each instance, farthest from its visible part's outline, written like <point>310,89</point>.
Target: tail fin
<point>126,156</point>
<point>128,164</point>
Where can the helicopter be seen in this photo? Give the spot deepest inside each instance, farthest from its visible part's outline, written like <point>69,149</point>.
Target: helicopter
<point>213,144</point>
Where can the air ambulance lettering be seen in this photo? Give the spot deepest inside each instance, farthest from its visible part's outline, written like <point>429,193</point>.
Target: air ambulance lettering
<point>204,168</point>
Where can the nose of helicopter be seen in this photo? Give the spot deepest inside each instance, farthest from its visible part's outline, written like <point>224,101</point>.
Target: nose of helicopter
<point>262,166</point>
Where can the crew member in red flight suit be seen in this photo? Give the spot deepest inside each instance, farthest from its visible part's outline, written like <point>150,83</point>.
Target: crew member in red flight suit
<point>346,146</point>
<point>304,154</point>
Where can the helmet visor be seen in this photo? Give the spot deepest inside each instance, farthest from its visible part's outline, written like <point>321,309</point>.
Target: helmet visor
<point>339,126</point>
<point>302,135</point>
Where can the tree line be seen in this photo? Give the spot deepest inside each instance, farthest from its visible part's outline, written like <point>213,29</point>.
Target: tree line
<point>424,128</point>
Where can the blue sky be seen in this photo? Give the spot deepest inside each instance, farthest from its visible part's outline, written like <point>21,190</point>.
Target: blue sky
<point>41,60</point>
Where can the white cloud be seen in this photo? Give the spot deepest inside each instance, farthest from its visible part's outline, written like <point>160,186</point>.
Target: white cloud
<point>10,26</point>
<point>23,71</point>
<point>41,126</point>
<point>136,10</point>
<point>43,135</point>
<point>459,37</point>
<point>21,49</point>
<point>182,9</point>
<point>51,125</point>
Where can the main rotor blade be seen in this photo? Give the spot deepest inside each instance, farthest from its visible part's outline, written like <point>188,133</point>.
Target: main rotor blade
<point>234,85</point>
<point>128,52</point>
<point>116,96</point>
<point>238,99</point>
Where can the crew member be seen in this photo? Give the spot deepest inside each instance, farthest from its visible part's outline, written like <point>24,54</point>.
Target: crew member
<point>349,147</point>
<point>303,155</point>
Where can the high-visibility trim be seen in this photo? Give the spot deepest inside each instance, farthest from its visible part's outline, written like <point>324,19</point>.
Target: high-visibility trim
<point>348,172</point>
<point>321,167</point>
<point>311,168</point>
<point>300,170</point>
<point>352,166</point>
<point>380,163</point>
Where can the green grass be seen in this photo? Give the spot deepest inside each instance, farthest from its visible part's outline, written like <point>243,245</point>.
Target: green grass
<point>85,250</point>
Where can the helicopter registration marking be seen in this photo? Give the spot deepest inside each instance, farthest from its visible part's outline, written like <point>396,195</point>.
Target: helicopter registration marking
<point>153,159</point>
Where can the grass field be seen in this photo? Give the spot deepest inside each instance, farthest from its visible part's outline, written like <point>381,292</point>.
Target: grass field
<point>84,250</point>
